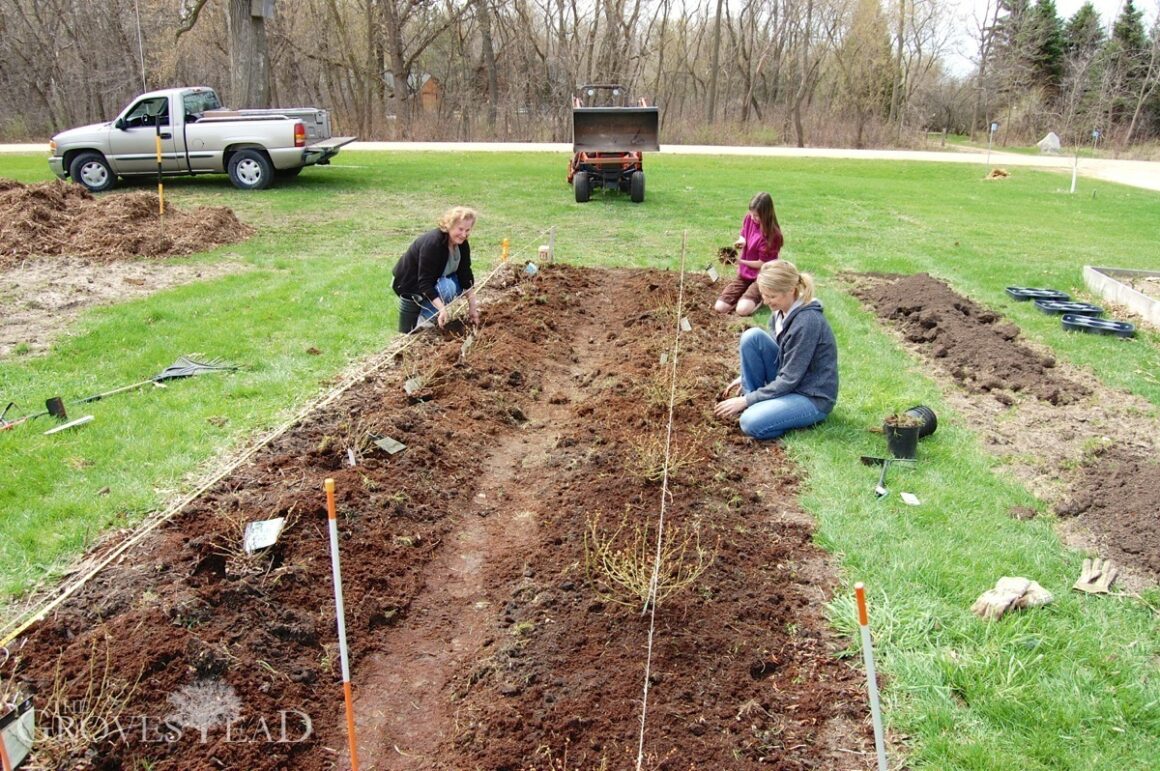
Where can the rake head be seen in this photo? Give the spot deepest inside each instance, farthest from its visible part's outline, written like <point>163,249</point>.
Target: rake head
<point>185,367</point>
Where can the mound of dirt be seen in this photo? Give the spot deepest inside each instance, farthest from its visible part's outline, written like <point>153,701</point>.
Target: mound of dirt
<point>974,345</point>
<point>1118,496</point>
<point>58,218</point>
<point>484,633</point>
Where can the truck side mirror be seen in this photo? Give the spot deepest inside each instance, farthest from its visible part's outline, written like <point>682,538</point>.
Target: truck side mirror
<point>120,124</point>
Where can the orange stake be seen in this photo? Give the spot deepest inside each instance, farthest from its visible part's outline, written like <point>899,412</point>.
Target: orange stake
<point>336,569</point>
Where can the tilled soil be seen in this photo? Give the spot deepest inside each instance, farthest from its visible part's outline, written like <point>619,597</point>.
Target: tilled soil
<point>1087,450</point>
<point>483,631</point>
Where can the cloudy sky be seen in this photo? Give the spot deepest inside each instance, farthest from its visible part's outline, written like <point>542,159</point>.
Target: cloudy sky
<point>971,11</point>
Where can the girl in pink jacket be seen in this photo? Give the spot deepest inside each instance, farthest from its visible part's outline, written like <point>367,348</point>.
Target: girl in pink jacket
<point>760,242</point>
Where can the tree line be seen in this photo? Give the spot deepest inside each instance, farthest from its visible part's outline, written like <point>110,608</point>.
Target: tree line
<point>798,72</point>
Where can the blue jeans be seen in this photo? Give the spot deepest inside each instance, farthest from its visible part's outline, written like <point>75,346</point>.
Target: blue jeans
<point>770,418</point>
<point>448,289</point>
<point>412,308</point>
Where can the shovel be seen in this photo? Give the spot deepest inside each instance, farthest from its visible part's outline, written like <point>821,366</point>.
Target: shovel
<point>880,490</point>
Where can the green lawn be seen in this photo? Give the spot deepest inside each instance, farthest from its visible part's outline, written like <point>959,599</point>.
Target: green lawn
<point>1070,686</point>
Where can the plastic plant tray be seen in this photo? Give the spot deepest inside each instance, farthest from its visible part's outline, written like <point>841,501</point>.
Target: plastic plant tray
<point>1098,326</point>
<point>1024,293</point>
<point>1076,309</point>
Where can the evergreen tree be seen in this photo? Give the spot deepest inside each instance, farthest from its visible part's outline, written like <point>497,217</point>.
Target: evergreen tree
<point>1084,33</point>
<point>1045,46</point>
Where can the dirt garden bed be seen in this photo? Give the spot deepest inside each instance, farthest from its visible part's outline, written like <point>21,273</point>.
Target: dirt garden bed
<point>482,634</point>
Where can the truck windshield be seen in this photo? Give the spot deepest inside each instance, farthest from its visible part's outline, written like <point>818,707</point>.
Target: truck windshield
<point>149,112</point>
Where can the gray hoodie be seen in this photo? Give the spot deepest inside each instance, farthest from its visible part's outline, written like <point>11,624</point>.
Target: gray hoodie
<point>809,359</point>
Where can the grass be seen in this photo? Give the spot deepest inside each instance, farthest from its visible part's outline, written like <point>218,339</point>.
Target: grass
<point>1072,685</point>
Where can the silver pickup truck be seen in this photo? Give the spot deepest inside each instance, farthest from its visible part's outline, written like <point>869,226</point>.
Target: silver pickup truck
<point>194,135</point>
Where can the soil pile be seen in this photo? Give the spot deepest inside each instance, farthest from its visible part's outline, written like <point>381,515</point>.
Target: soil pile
<point>485,631</point>
<point>1119,496</point>
<point>58,218</point>
<point>974,345</point>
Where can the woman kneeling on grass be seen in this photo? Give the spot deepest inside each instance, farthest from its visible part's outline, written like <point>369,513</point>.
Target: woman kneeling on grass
<point>435,270</point>
<point>789,379</point>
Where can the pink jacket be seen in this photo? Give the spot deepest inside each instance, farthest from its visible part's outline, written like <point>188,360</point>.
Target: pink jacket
<point>755,247</point>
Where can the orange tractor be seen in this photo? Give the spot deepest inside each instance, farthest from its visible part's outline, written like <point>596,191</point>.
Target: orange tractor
<point>608,137</point>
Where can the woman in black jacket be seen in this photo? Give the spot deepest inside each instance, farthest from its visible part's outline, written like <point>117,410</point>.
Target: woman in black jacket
<point>435,270</point>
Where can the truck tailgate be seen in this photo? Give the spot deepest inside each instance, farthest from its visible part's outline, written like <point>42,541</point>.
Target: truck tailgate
<point>331,144</point>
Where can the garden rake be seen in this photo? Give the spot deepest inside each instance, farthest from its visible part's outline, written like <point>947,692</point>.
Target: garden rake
<point>183,367</point>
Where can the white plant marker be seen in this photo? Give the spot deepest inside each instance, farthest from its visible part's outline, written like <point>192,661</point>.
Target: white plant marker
<point>871,677</point>
<point>336,570</point>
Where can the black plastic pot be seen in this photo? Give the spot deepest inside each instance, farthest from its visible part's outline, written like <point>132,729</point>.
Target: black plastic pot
<point>902,441</point>
<point>928,418</point>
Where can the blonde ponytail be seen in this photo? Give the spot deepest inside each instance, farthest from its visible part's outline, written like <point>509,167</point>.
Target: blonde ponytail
<point>783,276</point>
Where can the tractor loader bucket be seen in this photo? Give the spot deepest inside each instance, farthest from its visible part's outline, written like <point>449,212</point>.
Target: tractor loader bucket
<point>615,129</point>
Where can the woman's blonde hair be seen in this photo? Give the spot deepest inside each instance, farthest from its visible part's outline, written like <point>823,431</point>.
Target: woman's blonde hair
<point>453,215</point>
<point>782,276</point>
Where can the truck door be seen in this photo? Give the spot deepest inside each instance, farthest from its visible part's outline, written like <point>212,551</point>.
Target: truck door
<point>133,138</point>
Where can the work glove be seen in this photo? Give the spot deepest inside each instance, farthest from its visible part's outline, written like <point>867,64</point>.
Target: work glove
<point>993,603</point>
<point>1010,592</point>
<point>1097,576</point>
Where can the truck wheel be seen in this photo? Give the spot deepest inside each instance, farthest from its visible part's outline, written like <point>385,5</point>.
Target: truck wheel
<point>251,170</point>
<point>636,182</point>
<point>582,187</point>
<point>92,171</point>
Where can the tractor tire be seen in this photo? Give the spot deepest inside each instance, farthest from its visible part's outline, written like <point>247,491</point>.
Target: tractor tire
<point>582,187</point>
<point>92,170</point>
<point>251,170</point>
<point>636,184</point>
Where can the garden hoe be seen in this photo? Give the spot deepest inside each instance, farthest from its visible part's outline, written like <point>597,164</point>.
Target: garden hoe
<point>53,406</point>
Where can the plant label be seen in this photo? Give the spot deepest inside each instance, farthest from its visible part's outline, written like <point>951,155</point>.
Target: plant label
<point>260,535</point>
<point>388,445</point>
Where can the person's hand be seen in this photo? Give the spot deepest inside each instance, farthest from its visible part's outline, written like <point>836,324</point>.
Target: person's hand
<point>729,408</point>
<point>731,390</point>
<point>739,243</point>
<point>441,319</point>
<point>473,315</point>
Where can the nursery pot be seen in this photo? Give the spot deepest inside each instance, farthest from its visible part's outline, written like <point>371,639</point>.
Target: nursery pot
<point>927,416</point>
<point>902,441</point>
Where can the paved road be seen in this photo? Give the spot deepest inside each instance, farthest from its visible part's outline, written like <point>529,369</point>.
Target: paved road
<point>1143,174</point>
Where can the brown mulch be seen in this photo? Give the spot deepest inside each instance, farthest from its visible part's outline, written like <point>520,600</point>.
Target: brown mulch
<point>59,218</point>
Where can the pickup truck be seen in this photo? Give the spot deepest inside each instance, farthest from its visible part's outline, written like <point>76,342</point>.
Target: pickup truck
<point>197,136</point>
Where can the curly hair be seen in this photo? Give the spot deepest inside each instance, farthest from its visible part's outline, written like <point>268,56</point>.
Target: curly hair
<point>453,215</point>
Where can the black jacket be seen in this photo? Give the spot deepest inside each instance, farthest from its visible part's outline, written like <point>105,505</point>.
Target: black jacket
<point>423,264</point>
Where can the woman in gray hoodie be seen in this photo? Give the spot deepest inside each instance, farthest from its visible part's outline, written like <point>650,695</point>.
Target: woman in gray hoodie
<point>789,375</point>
